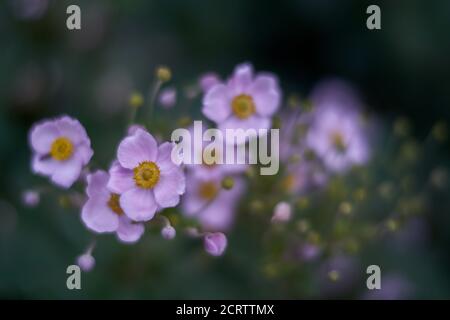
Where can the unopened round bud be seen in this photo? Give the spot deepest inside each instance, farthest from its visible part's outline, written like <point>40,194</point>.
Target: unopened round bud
<point>168,232</point>
<point>86,262</point>
<point>228,183</point>
<point>136,100</point>
<point>215,243</point>
<point>282,212</point>
<point>163,74</point>
<point>31,198</point>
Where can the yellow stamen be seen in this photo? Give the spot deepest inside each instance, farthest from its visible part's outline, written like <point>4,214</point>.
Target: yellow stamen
<point>338,141</point>
<point>62,149</point>
<point>114,204</point>
<point>146,175</point>
<point>208,190</point>
<point>243,106</point>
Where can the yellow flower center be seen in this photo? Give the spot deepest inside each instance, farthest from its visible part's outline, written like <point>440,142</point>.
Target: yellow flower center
<point>338,141</point>
<point>146,175</point>
<point>208,190</point>
<point>243,106</point>
<point>114,204</point>
<point>62,149</point>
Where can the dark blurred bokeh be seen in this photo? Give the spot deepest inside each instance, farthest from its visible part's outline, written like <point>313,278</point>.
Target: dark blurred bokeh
<point>45,70</point>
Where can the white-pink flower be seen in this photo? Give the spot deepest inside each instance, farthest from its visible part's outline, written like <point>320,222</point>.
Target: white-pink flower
<point>61,149</point>
<point>145,176</point>
<point>245,101</point>
<point>103,213</point>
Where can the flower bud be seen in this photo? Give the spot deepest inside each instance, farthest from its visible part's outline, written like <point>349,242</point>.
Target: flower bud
<point>228,183</point>
<point>31,198</point>
<point>136,100</point>
<point>86,262</point>
<point>282,212</point>
<point>215,243</point>
<point>168,232</point>
<point>168,98</point>
<point>163,74</point>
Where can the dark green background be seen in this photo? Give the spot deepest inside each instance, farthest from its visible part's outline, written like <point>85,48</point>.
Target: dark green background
<point>402,69</point>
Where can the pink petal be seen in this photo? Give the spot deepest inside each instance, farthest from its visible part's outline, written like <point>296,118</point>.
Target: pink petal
<point>137,148</point>
<point>164,160</point>
<point>42,136</point>
<point>216,104</point>
<point>139,204</point>
<point>84,152</point>
<point>63,173</point>
<point>98,217</point>
<point>266,95</point>
<point>192,202</point>
<point>219,215</point>
<point>129,231</point>
<point>45,166</point>
<point>67,172</point>
<point>241,79</point>
<point>72,129</point>
<point>169,188</point>
<point>97,184</point>
<point>120,179</point>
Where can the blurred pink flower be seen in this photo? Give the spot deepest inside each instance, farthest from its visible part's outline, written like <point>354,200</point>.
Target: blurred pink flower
<point>244,101</point>
<point>145,176</point>
<point>168,97</point>
<point>337,134</point>
<point>61,148</point>
<point>303,176</point>
<point>212,205</point>
<point>103,213</point>
<point>215,243</point>
<point>213,170</point>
